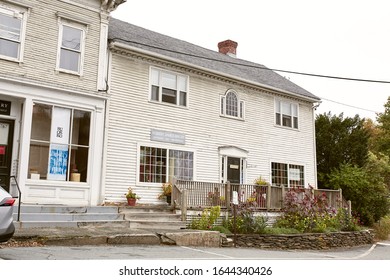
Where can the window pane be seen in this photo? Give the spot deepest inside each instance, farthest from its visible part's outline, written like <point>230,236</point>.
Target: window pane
<point>9,48</point>
<point>295,110</point>
<point>155,77</point>
<point>277,118</point>
<point>169,96</point>
<point>41,122</point>
<point>155,93</point>
<point>71,38</point>
<point>286,120</point>
<point>182,83</point>
<point>295,122</point>
<point>168,80</point>
<point>296,176</point>
<point>81,127</point>
<point>231,104</point>
<point>286,108</point>
<point>37,165</point>
<point>183,98</point>
<point>279,174</point>
<point>153,165</point>
<point>10,27</point>
<point>79,164</point>
<point>69,60</point>
<point>181,165</point>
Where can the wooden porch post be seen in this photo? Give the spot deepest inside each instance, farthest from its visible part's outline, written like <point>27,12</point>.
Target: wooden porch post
<point>269,189</point>
<point>184,206</point>
<point>228,195</point>
<point>283,195</point>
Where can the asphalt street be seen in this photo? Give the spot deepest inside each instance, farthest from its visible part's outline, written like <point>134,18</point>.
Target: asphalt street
<point>378,251</point>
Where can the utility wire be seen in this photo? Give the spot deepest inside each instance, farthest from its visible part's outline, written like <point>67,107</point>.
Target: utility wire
<point>344,104</point>
<point>257,66</point>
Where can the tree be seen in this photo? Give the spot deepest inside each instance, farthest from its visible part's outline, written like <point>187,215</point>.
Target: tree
<point>339,140</point>
<point>365,187</point>
<point>382,137</point>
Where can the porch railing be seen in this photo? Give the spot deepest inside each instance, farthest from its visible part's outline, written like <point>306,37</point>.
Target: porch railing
<point>196,195</point>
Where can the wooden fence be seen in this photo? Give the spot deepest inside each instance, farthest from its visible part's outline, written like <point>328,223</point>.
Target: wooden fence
<point>198,195</point>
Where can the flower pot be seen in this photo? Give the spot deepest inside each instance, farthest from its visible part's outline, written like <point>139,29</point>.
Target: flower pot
<point>131,201</point>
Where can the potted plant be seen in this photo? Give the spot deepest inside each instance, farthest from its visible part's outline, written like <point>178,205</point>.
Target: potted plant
<point>166,192</point>
<point>131,197</point>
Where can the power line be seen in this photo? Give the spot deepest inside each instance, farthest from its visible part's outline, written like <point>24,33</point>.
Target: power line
<point>257,66</point>
<point>344,104</point>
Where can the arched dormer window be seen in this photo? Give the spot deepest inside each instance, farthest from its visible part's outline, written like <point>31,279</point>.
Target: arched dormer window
<point>231,105</point>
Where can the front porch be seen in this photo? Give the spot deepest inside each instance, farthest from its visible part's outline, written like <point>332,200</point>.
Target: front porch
<point>195,195</point>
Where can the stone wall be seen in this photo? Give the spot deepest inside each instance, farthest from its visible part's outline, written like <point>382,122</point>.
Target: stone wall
<point>307,241</point>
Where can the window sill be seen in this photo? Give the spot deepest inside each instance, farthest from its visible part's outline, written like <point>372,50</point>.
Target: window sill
<point>232,118</point>
<point>287,128</point>
<point>168,104</point>
<point>64,71</point>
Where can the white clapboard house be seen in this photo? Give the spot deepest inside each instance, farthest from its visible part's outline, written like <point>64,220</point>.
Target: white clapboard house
<point>177,110</point>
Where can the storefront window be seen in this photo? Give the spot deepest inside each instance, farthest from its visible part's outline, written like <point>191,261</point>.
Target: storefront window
<point>59,145</point>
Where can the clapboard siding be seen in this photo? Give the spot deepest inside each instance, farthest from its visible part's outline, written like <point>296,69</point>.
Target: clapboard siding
<point>40,53</point>
<point>132,116</point>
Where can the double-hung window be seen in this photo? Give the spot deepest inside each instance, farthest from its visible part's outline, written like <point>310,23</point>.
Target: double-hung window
<point>71,47</point>
<point>288,175</point>
<point>231,105</point>
<point>160,165</point>
<point>168,87</point>
<point>286,114</point>
<point>12,26</point>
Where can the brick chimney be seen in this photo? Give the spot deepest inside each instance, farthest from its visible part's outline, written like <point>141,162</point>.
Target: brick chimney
<point>228,47</point>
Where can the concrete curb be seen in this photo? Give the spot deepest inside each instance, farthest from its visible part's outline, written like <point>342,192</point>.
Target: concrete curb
<point>191,238</point>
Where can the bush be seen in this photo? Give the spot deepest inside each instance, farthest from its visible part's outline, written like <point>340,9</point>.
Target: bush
<point>366,190</point>
<point>221,229</point>
<point>382,228</point>
<point>207,218</point>
<point>246,223</point>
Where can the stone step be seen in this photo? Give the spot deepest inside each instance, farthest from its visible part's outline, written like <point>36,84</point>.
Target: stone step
<point>24,217</point>
<point>70,224</point>
<point>156,224</point>
<point>163,217</point>
<point>65,209</point>
<point>145,209</point>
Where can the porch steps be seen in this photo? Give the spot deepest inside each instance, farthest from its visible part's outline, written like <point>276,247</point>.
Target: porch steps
<point>152,217</point>
<point>33,216</point>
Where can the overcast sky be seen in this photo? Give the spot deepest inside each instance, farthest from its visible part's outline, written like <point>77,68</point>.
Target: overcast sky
<point>342,38</point>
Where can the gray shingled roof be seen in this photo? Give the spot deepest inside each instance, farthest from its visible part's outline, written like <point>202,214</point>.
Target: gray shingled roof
<point>132,35</point>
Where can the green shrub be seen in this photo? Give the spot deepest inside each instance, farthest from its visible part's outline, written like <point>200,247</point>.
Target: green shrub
<point>221,229</point>
<point>280,230</point>
<point>246,223</point>
<point>207,218</point>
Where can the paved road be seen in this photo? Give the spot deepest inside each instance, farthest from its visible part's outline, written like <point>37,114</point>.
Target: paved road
<point>379,251</point>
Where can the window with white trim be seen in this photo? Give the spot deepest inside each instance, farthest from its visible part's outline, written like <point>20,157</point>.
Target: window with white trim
<point>231,105</point>
<point>59,144</point>
<point>286,114</point>
<point>12,25</point>
<point>168,87</point>
<point>71,47</point>
<point>160,165</point>
<point>288,175</point>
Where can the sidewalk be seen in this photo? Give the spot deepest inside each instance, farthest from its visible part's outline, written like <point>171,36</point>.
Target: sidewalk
<point>92,235</point>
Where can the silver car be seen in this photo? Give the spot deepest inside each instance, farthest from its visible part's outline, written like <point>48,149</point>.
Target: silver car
<point>7,227</point>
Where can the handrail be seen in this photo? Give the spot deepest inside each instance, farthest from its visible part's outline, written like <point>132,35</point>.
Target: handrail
<point>19,196</point>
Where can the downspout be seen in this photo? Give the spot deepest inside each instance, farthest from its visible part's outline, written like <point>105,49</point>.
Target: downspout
<point>314,108</point>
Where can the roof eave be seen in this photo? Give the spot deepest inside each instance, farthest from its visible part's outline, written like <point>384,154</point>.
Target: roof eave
<point>115,44</point>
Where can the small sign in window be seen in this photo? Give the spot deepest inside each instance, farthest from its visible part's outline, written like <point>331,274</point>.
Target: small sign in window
<point>5,107</point>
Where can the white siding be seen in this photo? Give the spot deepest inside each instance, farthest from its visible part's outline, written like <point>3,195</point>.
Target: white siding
<point>132,116</point>
<point>40,52</point>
